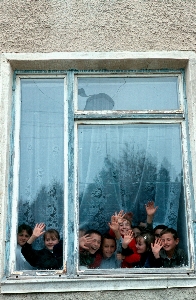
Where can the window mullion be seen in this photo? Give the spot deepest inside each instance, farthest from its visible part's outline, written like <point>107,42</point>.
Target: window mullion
<point>71,245</point>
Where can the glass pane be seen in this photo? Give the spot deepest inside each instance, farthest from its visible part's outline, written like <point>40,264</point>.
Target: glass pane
<point>122,167</point>
<point>125,93</point>
<point>41,154</point>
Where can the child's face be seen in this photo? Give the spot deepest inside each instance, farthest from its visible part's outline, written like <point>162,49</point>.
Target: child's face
<point>22,237</point>
<point>50,241</point>
<point>140,245</point>
<point>168,242</point>
<point>124,226</point>
<point>95,244</point>
<point>108,247</point>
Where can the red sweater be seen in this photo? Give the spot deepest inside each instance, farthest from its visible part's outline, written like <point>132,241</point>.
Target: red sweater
<point>131,259</point>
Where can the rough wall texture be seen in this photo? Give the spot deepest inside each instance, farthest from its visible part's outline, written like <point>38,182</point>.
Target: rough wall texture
<point>97,25</point>
<point>178,294</point>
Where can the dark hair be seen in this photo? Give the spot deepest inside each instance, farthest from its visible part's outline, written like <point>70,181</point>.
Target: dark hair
<point>148,239</point>
<point>139,227</point>
<point>109,237</point>
<point>26,227</point>
<point>170,230</point>
<point>160,227</point>
<point>51,232</point>
<point>91,231</point>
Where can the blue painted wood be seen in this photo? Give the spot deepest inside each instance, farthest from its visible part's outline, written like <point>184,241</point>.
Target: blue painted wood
<point>71,262</point>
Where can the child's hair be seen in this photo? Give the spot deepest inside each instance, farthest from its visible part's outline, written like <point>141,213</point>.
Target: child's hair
<point>139,227</point>
<point>82,232</point>
<point>26,227</point>
<point>91,231</point>
<point>129,217</point>
<point>161,226</point>
<point>170,230</point>
<point>53,232</point>
<point>148,239</point>
<point>108,237</point>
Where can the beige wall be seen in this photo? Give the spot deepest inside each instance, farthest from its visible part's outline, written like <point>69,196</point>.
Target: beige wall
<point>92,26</point>
<point>97,25</point>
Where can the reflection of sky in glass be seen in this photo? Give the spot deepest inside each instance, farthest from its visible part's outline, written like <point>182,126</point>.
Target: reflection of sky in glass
<point>141,93</point>
<point>160,143</point>
<point>41,136</point>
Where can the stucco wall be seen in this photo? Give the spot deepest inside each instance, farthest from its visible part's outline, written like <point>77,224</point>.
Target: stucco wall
<point>178,294</point>
<point>98,25</point>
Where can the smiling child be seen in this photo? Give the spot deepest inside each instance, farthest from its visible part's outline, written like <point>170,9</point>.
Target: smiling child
<point>108,251</point>
<point>50,257</point>
<point>89,255</point>
<point>166,251</point>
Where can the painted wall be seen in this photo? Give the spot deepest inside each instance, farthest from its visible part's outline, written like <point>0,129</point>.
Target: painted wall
<point>96,26</point>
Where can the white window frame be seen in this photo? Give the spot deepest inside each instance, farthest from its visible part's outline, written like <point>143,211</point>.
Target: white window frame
<point>95,279</point>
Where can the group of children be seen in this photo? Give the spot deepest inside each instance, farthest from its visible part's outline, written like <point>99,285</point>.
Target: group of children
<point>123,246</point>
<point>50,257</point>
<point>127,247</point>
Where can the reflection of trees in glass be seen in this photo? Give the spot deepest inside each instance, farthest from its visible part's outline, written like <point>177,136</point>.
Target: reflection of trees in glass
<point>47,207</point>
<point>128,183</point>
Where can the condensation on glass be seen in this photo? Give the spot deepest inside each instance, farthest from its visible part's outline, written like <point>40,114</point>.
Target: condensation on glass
<point>41,158</point>
<point>124,165</point>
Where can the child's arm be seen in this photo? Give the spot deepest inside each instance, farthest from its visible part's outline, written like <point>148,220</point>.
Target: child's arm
<point>150,211</point>
<point>114,227</point>
<point>119,256</point>
<point>37,232</point>
<point>126,251</point>
<point>134,257</point>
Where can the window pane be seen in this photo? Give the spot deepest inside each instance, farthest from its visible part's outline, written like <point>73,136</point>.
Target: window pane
<point>125,93</point>
<point>41,154</point>
<point>122,167</point>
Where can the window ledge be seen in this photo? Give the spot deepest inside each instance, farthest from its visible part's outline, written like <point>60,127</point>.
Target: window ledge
<point>64,284</point>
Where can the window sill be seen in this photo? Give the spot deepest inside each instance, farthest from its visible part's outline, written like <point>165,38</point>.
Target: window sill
<point>94,283</point>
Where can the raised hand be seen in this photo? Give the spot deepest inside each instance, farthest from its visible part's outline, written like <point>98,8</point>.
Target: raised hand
<point>119,256</point>
<point>39,229</point>
<point>114,223</point>
<point>84,241</point>
<point>37,232</point>
<point>114,226</point>
<point>150,208</point>
<point>156,247</point>
<point>128,237</point>
<point>119,216</point>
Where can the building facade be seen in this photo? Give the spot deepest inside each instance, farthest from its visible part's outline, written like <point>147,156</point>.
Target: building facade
<point>97,115</point>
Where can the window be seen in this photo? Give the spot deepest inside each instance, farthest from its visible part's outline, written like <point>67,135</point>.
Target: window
<point>88,143</point>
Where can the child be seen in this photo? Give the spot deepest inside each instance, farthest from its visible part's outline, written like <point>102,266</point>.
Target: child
<point>50,257</point>
<point>137,230</point>
<point>24,233</point>
<point>143,245</point>
<point>108,251</point>
<point>90,243</point>
<point>120,225</point>
<point>166,252</point>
